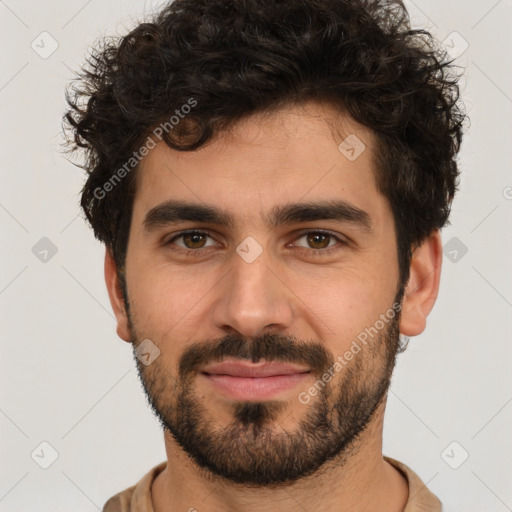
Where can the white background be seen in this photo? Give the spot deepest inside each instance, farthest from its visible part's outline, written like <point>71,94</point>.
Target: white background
<point>68,380</point>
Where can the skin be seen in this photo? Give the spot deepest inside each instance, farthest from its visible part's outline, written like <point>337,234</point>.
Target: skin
<point>289,156</point>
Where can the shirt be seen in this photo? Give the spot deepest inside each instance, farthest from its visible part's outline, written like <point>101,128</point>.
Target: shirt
<point>137,498</point>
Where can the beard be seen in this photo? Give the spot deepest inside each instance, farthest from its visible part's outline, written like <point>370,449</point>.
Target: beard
<point>254,448</point>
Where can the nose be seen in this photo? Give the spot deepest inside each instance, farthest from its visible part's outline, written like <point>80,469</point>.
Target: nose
<point>253,300</point>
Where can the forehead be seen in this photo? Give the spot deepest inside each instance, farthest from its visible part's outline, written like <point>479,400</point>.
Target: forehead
<point>299,154</point>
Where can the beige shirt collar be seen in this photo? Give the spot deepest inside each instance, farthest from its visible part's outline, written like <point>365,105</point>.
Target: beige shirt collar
<point>137,498</point>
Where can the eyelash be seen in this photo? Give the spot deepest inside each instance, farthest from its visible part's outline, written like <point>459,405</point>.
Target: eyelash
<point>311,252</point>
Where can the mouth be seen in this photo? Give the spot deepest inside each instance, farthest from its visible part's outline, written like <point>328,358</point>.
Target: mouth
<point>244,380</point>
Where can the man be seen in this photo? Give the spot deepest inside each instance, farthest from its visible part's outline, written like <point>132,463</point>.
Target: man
<point>269,179</point>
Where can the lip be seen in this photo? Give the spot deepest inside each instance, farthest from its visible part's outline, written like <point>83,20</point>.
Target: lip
<point>249,369</point>
<point>244,380</point>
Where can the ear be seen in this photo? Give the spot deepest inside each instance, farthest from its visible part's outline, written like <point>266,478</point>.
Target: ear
<point>116,297</point>
<point>423,285</point>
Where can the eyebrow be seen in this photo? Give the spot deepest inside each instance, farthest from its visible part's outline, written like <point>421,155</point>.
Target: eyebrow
<point>174,211</point>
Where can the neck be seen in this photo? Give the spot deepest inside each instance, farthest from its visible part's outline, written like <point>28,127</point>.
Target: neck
<point>363,481</point>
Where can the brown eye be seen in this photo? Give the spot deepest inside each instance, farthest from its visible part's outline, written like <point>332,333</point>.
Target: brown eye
<point>318,240</point>
<point>318,243</point>
<point>191,240</point>
<point>194,240</point>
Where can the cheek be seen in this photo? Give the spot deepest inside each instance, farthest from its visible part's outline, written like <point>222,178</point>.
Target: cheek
<point>163,293</point>
<point>167,306</point>
<point>346,302</point>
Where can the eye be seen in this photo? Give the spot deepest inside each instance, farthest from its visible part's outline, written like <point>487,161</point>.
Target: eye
<point>319,242</point>
<point>314,243</point>
<point>191,240</point>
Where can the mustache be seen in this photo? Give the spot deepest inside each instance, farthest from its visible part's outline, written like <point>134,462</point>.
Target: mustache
<point>269,346</point>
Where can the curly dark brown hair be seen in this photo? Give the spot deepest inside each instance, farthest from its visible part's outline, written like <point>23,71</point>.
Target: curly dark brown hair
<point>234,58</point>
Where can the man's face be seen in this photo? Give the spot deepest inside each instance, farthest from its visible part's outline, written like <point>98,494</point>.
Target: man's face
<point>288,287</point>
